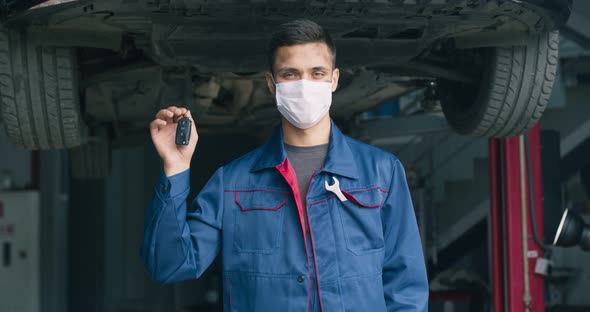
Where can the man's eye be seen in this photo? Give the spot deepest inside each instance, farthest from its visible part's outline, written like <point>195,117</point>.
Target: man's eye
<point>318,75</point>
<point>288,75</point>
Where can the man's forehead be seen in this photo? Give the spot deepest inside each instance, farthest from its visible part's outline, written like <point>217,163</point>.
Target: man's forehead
<point>308,55</point>
<point>299,68</point>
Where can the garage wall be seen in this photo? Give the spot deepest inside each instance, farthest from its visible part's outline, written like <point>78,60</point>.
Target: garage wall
<point>53,216</point>
<point>106,226</point>
<point>17,161</point>
<point>54,230</point>
<point>572,121</point>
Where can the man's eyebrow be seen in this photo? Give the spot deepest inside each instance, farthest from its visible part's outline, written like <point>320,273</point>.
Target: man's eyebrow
<point>320,68</point>
<point>290,69</point>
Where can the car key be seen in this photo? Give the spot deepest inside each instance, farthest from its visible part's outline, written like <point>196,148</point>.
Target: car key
<point>183,131</point>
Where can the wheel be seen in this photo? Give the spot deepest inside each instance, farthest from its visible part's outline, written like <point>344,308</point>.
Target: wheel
<point>39,97</point>
<point>514,89</point>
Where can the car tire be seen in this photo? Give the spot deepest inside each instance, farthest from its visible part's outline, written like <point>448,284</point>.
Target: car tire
<point>515,87</point>
<point>39,97</point>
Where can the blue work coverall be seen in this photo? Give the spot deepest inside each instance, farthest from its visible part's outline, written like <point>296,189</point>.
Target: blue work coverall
<point>363,254</point>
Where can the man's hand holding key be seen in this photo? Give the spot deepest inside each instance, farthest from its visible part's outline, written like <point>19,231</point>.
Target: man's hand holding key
<point>176,158</point>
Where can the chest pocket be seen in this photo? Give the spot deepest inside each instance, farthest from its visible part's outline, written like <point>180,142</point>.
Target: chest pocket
<point>361,220</point>
<point>258,220</point>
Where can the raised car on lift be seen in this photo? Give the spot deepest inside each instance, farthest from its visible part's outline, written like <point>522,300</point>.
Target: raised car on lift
<point>83,74</point>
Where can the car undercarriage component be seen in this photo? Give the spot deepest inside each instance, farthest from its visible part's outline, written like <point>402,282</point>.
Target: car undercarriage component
<point>115,63</point>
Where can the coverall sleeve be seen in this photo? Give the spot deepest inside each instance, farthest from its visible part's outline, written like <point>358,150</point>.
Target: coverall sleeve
<point>404,273</point>
<point>177,244</point>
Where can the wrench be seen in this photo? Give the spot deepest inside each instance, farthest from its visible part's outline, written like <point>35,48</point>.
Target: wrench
<point>335,188</point>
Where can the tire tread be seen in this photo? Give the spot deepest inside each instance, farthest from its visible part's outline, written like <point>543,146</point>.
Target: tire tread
<point>39,107</point>
<point>516,91</point>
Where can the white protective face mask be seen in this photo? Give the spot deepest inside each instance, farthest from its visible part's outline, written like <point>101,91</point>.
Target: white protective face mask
<point>303,103</point>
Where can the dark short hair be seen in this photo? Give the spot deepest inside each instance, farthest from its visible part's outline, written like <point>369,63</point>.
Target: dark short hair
<point>299,31</point>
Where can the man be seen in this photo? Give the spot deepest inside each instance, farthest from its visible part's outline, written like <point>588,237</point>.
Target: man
<point>310,221</point>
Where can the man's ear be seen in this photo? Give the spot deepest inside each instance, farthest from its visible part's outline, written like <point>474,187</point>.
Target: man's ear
<point>269,83</point>
<point>335,77</point>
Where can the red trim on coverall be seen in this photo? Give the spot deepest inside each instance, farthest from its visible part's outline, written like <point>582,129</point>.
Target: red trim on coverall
<point>315,263</point>
<point>288,174</point>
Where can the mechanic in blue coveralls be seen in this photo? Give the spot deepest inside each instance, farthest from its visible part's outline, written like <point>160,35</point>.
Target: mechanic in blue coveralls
<point>311,221</point>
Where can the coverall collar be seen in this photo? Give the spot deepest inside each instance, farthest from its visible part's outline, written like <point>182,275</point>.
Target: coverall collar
<point>339,159</point>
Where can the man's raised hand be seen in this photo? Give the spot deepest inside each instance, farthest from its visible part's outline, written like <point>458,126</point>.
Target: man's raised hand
<point>176,158</point>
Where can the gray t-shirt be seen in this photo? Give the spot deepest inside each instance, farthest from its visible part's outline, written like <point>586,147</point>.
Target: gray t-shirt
<point>305,160</point>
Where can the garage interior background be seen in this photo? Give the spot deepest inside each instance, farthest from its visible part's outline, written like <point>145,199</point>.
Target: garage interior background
<point>89,231</point>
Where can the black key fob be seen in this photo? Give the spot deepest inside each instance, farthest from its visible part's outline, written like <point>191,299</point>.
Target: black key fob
<point>183,131</point>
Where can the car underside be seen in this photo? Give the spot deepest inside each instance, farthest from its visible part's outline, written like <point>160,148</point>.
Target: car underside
<point>132,58</point>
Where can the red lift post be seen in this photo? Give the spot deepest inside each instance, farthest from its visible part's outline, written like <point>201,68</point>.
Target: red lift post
<point>508,251</point>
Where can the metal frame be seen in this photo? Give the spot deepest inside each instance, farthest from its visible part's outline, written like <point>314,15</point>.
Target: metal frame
<point>508,277</point>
